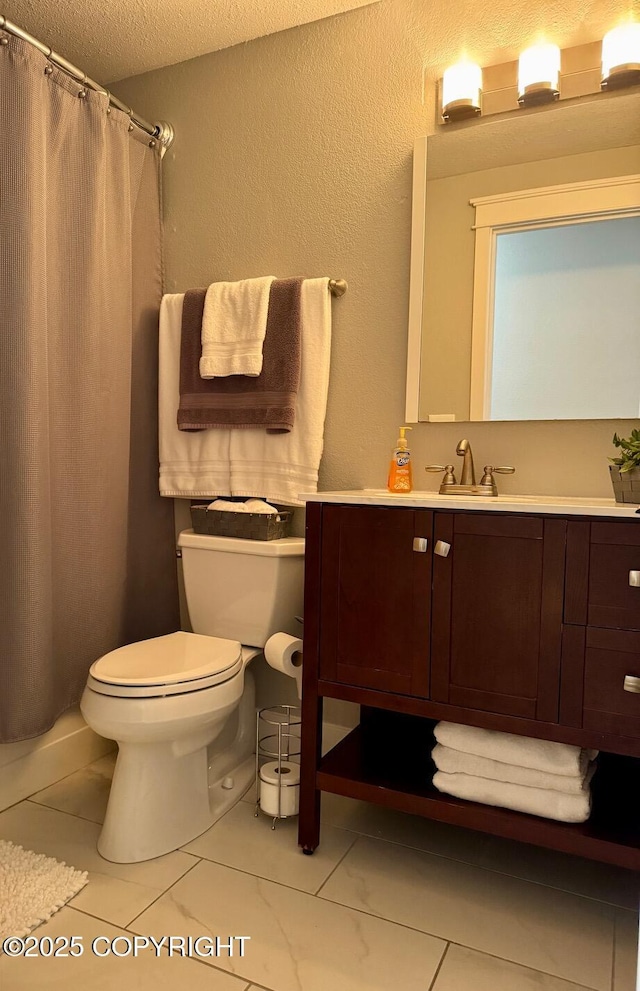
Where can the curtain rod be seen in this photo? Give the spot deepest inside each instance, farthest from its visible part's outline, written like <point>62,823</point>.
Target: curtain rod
<point>162,131</point>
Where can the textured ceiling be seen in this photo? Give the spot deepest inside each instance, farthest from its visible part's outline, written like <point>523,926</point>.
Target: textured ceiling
<point>114,39</point>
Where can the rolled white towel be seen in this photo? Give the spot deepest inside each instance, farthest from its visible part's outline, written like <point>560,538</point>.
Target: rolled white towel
<point>226,506</point>
<point>260,506</point>
<point>250,506</point>
<point>536,801</point>
<point>455,762</point>
<point>523,751</point>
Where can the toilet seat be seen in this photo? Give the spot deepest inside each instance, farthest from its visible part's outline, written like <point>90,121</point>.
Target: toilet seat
<point>174,664</point>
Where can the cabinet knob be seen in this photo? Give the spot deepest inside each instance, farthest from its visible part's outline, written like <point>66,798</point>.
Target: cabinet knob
<point>420,545</point>
<point>442,548</point>
<point>631,684</point>
<point>634,579</point>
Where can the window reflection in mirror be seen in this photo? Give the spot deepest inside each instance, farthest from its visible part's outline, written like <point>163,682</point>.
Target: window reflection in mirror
<point>566,340</point>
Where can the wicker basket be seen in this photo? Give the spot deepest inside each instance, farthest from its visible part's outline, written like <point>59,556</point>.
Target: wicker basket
<point>249,526</point>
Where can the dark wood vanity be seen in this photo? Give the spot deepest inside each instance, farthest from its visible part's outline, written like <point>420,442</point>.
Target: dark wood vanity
<point>524,622</point>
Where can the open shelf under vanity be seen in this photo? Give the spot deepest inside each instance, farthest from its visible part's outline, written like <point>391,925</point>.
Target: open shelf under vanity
<point>365,765</point>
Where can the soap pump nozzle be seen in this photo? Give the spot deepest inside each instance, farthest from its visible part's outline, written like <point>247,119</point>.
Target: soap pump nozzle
<point>402,441</point>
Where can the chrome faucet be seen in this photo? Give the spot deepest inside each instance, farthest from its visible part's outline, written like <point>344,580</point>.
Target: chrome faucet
<point>467,484</point>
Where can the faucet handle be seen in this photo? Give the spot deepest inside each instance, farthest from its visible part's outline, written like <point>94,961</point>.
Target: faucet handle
<point>449,477</point>
<point>489,470</point>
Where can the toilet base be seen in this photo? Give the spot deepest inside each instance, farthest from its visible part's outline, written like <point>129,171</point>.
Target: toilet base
<point>191,811</point>
<point>145,821</point>
<point>162,799</point>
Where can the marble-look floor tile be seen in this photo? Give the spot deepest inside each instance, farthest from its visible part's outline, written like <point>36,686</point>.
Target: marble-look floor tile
<point>626,970</point>
<point>249,844</point>
<point>557,870</point>
<point>541,928</point>
<point>468,970</point>
<point>298,942</point>
<point>145,972</point>
<point>116,892</point>
<point>84,793</point>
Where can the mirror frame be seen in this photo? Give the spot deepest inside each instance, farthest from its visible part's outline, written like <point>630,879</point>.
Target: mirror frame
<point>416,279</point>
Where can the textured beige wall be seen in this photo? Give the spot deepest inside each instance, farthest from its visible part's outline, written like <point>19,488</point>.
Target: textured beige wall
<point>293,155</point>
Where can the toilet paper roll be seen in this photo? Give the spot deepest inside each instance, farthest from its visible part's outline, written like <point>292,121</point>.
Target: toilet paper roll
<point>284,653</point>
<point>283,777</point>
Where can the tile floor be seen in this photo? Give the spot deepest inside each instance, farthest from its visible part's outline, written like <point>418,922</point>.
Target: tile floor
<point>388,901</point>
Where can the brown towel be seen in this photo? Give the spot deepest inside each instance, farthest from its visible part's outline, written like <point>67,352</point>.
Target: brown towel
<point>266,400</point>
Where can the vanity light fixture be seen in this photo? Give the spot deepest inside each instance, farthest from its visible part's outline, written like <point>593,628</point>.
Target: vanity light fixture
<point>621,57</point>
<point>461,91</point>
<point>538,74</point>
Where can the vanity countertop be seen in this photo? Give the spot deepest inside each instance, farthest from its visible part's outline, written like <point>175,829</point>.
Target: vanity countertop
<point>555,505</point>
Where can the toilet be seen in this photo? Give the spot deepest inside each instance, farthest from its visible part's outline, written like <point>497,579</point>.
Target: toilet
<point>182,707</point>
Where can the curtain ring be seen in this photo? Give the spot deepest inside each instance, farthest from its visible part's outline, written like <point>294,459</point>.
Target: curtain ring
<point>48,70</point>
<point>82,93</point>
<point>4,41</point>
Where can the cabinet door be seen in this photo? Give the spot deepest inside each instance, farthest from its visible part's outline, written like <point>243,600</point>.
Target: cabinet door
<point>375,595</point>
<point>497,613</point>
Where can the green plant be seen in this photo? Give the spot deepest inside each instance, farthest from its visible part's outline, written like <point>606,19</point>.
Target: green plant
<point>630,448</point>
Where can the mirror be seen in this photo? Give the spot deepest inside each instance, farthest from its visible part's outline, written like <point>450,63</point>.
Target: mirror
<point>544,320</point>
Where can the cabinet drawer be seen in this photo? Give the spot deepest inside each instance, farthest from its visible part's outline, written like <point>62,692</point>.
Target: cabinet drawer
<point>614,554</point>
<point>611,656</point>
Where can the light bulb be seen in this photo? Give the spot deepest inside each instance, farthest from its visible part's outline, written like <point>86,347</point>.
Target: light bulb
<point>621,56</point>
<point>461,89</point>
<point>538,72</point>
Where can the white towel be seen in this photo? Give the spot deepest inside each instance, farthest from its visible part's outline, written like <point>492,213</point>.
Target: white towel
<point>191,464</point>
<point>234,322</point>
<point>250,506</point>
<point>279,467</point>
<point>524,751</point>
<point>537,801</point>
<point>226,506</point>
<point>260,506</point>
<point>248,462</point>
<point>455,762</point>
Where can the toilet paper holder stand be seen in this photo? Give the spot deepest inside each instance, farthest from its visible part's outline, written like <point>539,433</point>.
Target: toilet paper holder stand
<point>278,746</point>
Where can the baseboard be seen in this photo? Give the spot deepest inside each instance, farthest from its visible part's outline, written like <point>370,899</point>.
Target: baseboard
<point>31,765</point>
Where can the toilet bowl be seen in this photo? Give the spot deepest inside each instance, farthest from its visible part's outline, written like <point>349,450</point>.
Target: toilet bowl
<point>182,707</point>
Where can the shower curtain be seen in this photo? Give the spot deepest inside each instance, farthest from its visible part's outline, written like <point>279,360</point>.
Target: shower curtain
<point>87,545</point>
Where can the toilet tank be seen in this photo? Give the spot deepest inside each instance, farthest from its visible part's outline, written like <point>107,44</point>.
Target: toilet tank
<point>243,590</point>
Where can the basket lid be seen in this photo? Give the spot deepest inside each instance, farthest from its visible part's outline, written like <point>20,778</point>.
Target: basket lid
<point>283,547</point>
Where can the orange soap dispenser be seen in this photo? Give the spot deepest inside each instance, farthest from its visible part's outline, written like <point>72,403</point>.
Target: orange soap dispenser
<point>400,475</point>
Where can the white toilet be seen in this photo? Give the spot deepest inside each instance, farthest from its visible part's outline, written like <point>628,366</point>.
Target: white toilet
<point>165,701</point>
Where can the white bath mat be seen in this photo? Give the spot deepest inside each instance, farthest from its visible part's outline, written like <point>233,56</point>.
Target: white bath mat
<point>32,888</point>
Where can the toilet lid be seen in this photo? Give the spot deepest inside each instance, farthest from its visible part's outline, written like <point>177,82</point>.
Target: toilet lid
<point>170,660</point>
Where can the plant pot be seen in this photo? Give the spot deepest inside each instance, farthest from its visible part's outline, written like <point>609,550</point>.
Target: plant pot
<point>626,484</point>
